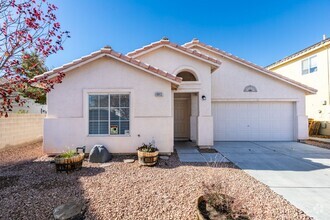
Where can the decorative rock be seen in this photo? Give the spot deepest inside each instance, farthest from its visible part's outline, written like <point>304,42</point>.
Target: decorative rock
<point>105,165</point>
<point>99,154</point>
<point>164,157</point>
<point>129,161</point>
<point>69,211</point>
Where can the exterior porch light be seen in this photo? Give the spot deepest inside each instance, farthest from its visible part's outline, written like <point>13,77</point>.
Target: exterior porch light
<point>203,97</point>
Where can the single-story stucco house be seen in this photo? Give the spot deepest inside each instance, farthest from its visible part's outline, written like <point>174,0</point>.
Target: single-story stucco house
<point>169,92</point>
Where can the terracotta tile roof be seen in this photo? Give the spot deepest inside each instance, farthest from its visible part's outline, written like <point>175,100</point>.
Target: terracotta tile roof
<point>195,42</point>
<point>297,54</point>
<point>107,51</point>
<point>166,43</point>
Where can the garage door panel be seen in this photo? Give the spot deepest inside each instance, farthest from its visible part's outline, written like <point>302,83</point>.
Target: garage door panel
<point>253,121</point>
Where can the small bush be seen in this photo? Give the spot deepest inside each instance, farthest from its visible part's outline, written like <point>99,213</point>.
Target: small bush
<point>68,154</point>
<point>147,148</point>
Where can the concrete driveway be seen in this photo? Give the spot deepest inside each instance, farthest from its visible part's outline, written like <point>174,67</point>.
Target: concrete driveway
<point>299,172</point>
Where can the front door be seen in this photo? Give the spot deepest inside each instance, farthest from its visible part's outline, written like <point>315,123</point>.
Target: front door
<point>181,119</point>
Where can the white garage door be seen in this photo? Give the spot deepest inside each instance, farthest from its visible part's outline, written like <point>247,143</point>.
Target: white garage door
<point>253,121</point>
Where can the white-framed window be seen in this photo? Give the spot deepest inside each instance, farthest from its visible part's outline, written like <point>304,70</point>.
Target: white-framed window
<point>109,114</point>
<point>309,65</point>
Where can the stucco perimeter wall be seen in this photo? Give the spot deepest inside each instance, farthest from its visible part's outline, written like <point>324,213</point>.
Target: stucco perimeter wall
<point>229,81</point>
<point>20,128</point>
<point>66,125</point>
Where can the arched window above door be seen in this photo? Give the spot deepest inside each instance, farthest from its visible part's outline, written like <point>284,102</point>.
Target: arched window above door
<point>186,76</point>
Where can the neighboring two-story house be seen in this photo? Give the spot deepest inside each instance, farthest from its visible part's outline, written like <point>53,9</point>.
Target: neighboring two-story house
<point>310,66</point>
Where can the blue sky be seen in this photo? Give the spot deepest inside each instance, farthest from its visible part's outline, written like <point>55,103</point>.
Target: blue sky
<point>261,31</point>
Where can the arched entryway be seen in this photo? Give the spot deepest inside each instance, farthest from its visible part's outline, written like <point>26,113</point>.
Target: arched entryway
<point>187,76</point>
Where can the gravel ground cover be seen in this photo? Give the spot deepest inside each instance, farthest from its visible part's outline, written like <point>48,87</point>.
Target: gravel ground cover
<point>32,189</point>
<point>317,144</point>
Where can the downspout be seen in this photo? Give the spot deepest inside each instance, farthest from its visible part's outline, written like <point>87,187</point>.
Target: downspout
<point>328,75</point>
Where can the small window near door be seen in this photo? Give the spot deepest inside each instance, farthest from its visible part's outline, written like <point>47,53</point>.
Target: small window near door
<point>186,76</point>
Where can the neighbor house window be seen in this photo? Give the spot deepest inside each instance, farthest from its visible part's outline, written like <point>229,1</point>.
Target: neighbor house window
<point>109,114</point>
<point>309,65</point>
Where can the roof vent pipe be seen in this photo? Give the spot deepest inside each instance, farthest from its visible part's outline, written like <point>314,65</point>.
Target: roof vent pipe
<point>324,36</point>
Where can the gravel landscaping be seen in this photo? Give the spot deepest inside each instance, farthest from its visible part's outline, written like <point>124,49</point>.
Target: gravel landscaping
<point>31,189</point>
<point>317,144</point>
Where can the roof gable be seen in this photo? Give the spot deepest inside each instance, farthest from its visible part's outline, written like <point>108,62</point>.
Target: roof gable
<point>107,51</point>
<point>166,43</point>
<point>307,50</point>
<point>236,59</point>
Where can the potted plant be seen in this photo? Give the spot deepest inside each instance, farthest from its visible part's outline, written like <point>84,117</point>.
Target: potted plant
<point>69,161</point>
<point>148,154</point>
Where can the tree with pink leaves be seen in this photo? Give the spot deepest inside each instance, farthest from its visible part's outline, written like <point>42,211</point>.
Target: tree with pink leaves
<point>25,27</point>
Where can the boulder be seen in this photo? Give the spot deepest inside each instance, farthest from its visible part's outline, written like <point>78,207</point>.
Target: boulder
<point>99,154</point>
<point>69,211</point>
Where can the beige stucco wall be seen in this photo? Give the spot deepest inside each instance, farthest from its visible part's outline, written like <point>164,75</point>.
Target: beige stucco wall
<point>20,128</point>
<point>319,80</point>
<point>66,125</point>
<point>174,62</point>
<point>229,81</point>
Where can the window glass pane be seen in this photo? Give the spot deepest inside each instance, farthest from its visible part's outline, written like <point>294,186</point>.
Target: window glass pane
<point>114,127</point>
<point>93,101</point>
<point>124,113</point>
<point>104,114</point>
<point>313,61</point>
<point>93,127</point>
<point>93,114</point>
<point>124,127</point>
<point>304,65</point>
<point>313,69</point>
<point>124,100</point>
<point>104,99</point>
<point>104,128</point>
<point>114,100</point>
<point>114,114</point>
<point>313,64</point>
<point>99,108</point>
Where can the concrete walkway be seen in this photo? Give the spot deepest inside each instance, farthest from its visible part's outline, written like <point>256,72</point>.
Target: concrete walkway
<point>188,152</point>
<point>299,172</point>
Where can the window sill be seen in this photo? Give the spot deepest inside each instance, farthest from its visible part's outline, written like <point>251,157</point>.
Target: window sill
<point>108,135</point>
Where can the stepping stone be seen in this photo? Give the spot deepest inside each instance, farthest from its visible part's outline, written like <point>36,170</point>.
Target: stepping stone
<point>129,161</point>
<point>68,211</point>
<point>164,157</point>
<point>105,164</point>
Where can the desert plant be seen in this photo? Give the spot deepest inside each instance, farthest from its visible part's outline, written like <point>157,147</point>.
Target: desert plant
<point>68,154</point>
<point>217,204</point>
<point>147,148</point>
